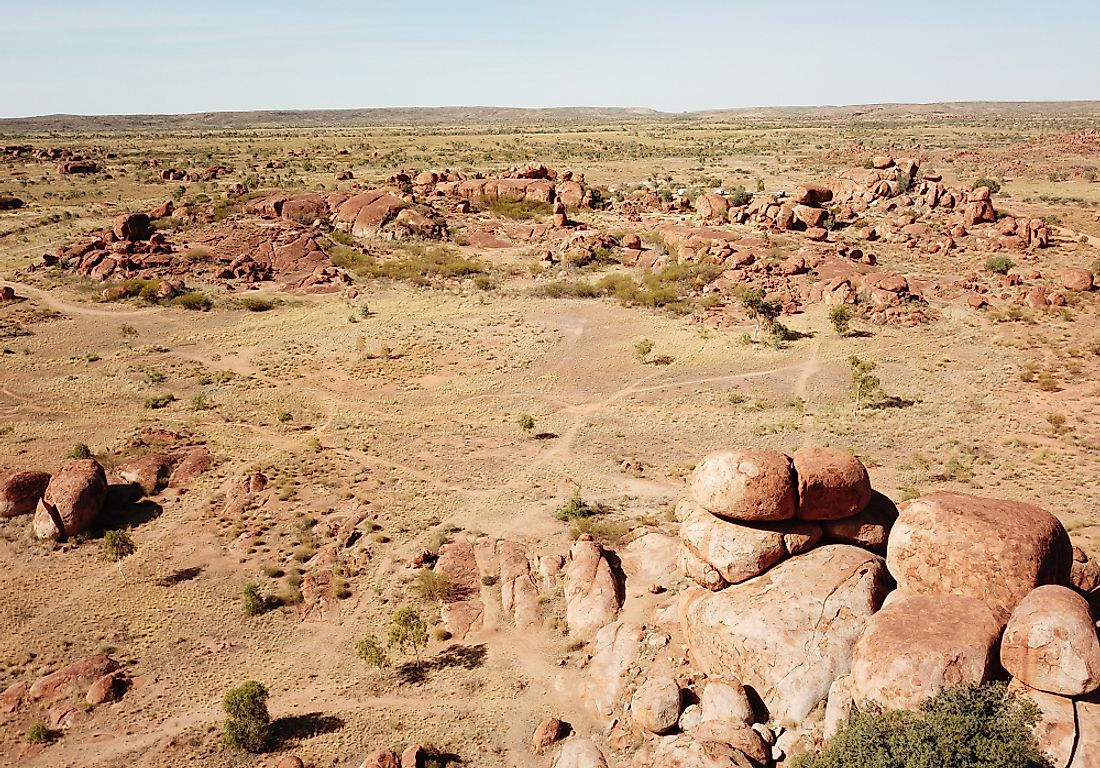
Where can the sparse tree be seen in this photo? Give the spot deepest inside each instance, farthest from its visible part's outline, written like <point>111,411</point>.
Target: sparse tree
<point>759,309</point>
<point>840,315</point>
<point>247,718</point>
<point>408,630</point>
<point>864,383</point>
<point>526,423</point>
<point>372,652</point>
<point>117,545</point>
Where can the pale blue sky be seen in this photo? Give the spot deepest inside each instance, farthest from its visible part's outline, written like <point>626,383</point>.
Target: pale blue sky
<point>123,56</point>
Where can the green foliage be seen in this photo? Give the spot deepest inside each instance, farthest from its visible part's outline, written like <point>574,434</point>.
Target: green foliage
<point>519,210</point>
<point>39,733</point>
<point>156,402</point>
<point>257,304</point>
<point>865,384</point>
<point>993,185</point>
<point>739,196</point>
<point>576,508</point>
<point>970,726</point>
<point>247,721</point>
<point>840,315</point>
<point>999,264</point>
<point>196,301</point>
<point>434,585</point>
<point>418,265</point>
<point>408,630</point>
<point>372,652</point>
<point>526,423</point>
<point>341,237</point>
<point>127,330</point>
<point>80,451</point>
<point>672,287</point>
<point>643,348</point>
<point>285,416</point>
<point>117,545</point>
<point>253,602</point>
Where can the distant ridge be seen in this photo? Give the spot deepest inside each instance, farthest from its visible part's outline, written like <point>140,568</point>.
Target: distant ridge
<point>445,116</point>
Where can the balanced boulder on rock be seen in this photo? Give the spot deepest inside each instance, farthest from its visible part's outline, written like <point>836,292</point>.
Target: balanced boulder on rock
<point>749,485</point>
<point>832,484</point>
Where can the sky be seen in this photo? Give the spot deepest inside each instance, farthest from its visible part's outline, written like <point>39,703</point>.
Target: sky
<point>130,57</point>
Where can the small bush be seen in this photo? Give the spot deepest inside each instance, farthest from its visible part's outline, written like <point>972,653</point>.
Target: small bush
<point>970,726</point>
<point>247,722</point>
<point>840,315</point>
<point>576,508</point>
<point>643,348</point>
<point>999,264</point>
<point>257,304</point>
<point>253,602</point>
<point>39,733</point>
<point>993,185</point>
<point>372,652</point>
<point>117,545</point>
<point>434,585</point>
<point>156,402</point>
<point>408,630</point>
<point>526,423</point>
<point>520,210</point>
<point>80,451</point>
<point>196,301</point>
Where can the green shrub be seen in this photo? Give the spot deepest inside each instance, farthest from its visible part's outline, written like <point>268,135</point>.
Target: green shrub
<point>371,651</point>
<point>195,301</point>
<point>520,210</point>
<point>247,721</point>
<point>80,451</point>
<point>156,402</point>
<point>342,237</point>
<point>970,726</point>
<point>408,630</point>
<point>999,264</point>
<point>419,265</point>
<point>39,733</point>
<point>526,423</point>
<point>993,185</point>
<point>840,315</point>
<point>739,197</point>
<point>576,508</point>
<point>643,348</point>
<point>117,545</point>
<point>434,585</point>
<point>257,304</point>
<point>253,602</point>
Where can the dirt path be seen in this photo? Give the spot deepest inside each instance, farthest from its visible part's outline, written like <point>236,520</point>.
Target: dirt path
<point>76,308</point>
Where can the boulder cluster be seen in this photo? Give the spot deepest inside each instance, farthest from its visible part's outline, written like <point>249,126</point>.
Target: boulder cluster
<point>69,694</point>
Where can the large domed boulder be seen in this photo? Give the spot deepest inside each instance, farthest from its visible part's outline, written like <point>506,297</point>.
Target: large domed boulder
<point>592,593</point>
<point>989,549</point>
<point>580,753</point>
<point>749,485</point>
<point>740,551</point>
<point>1050,643</point>
<point>832,484</point>
<point>20,492</point>
<point>918,644</point>
<point>789,633</point>
<point>73,498</point>
<point>655,706</point>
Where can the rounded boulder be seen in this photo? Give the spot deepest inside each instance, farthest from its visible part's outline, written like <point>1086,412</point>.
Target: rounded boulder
<point>748,485</point>
<point>656,705</point>
<point>832,484</point>
<point>1050,643</point>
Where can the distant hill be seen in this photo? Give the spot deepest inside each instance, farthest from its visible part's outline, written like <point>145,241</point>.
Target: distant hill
<point>458,116</point>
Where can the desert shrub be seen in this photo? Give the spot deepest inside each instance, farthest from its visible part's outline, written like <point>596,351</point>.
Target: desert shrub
<point>348,257</point>
<point>434,585</point>
<point>740,196</point>
<point>80,451</point>
<point>341,237</point>
<point>576,508</point>
<point>526,423</point>
<point>419,264</point>
<point>606,532</point>
<point>39,733</point>
<point>866,386</point>
<point>969,726</point>
<point>520,210</point>
<point>371,651</point>
<point>489,581</point>
<point>247,721</point>
<point>643,348</point>
<point>257,304</point>
<point>285,416</point>
<point>156,402</point>
<point>999,264</point>
<point>253,602</point>
<point>993,185</point>
<point>561,289</point>
<point>127,330</point>
<point>196,301</point>
<point>840,315</point>
<point>117,545</point>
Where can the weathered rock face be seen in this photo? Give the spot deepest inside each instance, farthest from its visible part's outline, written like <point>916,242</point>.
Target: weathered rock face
<point>580,753</point>
<point>132,226</point>
<point>1050,643</point>
<point>918,644</point>
<point>1087,752</point>
<point>740,551</point>
<point>383,758</point>
<point>519,594</point>
<point>592,594</point>
<point>750,486</point>
<point>548,731</point>
<point>616,647</point>
<point>789,633</point>
<point>725,701</point>
<point>457,562</point>
<point>71,501</point>
<point>1077,279</point>
<point>150,473</point>
<point>713,744</point>
<point>20,492</point>
<point>832,484</point>
<point>711,206</point>
<point>1056,732</point>
<point>995,551</point>
<point>869,529</point>
<point>72,678</point>
<point>655,706</point>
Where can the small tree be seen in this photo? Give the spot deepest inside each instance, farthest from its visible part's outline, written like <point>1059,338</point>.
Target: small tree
<point>643,348</point>
<point>840,315</point>
<point>247,721</point>
<point>372,652</point>
<point>254,603</point>
<point>759,309</point>
<point>117,545</point>
<point>526,423</point>
<point>408,630</point>
<point>865,384</point>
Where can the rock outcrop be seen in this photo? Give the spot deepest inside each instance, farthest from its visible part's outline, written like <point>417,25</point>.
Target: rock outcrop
<point>592,593</point>
<point>72,499</point>
<point>1050,643</point>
